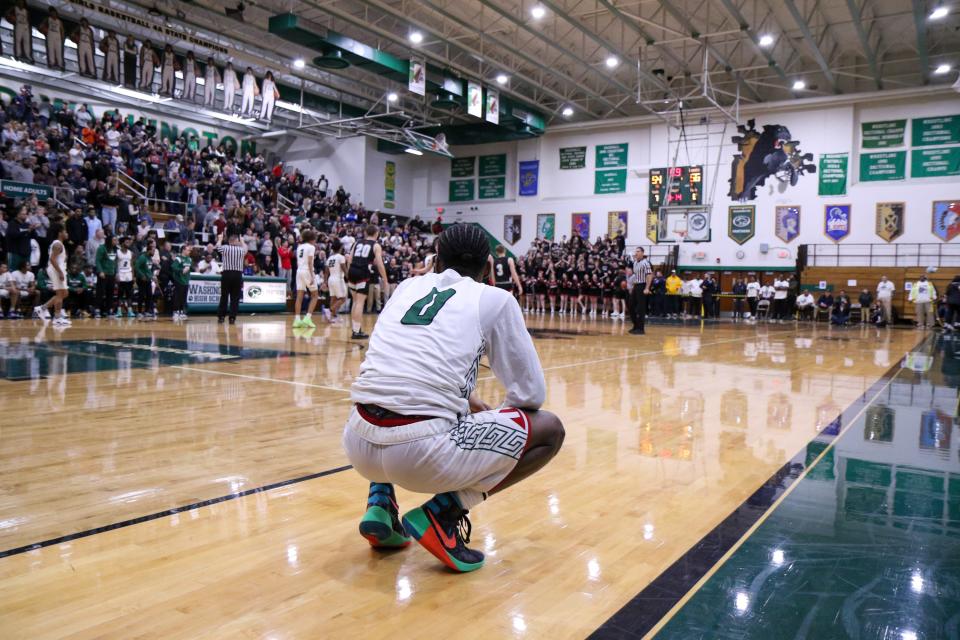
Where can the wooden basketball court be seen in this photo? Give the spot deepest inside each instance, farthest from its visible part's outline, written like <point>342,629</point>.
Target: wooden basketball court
<point>187,481</point>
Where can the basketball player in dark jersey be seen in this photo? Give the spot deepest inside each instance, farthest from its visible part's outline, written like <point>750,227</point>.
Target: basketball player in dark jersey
<point>505,272</point>
<point>365,256</point>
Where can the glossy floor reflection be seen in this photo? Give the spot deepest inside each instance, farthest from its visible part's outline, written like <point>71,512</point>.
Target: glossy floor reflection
<point>867,544</point>
<point>154,485</point>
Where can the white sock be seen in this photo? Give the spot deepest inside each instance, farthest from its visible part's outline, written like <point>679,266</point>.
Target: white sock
<point>469,498</point>
<point>356,327</point>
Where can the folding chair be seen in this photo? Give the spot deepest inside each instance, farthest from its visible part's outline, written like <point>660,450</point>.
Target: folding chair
<point>763,309</point>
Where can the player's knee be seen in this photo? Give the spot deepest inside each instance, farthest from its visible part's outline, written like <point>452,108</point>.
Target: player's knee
<point>550,429</point>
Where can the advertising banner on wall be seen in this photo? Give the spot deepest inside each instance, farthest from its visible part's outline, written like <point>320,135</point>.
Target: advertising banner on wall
<point>946,219</point>
<point>836,221</point>
<point>417,82</point>
<point>889,223</point>
<point>879,135</point>
<point>259,294</point>
<point>529,177</point>
<point>580,225</point>
<point>741,223</point>
<point>573,158</point>
<point>474,99</point>
<point>492,110</point>
<point>390,185</point>
<point>616,224</point>
<point>877,167</point>
<point>610,181</point>
<point>512,228</point>
<point>935,163</point>
<point>546,226</point>
<point>929,132</point>
<point>787,222</point>
<point>833,174</point>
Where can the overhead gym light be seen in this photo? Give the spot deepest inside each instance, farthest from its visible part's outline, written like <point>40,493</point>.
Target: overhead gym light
<point>299,63</point>
<point>413,152</point>
<point>416,37</point>
<point>392,97</point>
<point>567,112</point>
<point>766,40</point>
<point>799,85</point>
<point>502,78</point>
<point>612,62</point>
<point>538,12</point>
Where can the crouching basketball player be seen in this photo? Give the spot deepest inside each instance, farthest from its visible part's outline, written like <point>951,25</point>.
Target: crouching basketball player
<point>417,422</point>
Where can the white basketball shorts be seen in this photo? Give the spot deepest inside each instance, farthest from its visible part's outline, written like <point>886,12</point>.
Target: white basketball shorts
<point>305,282</point>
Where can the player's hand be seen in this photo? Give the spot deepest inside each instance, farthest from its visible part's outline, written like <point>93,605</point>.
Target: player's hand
<point>477,405</point>
<point>646,292</point>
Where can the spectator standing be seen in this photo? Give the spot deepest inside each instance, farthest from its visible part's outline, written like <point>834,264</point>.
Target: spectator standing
<point>674,285</point>
<point>753,295</point>
<point>885,290</point>
<point>181,281</point>
<point>781,289</point>
<point>922,295</point>
<point>659,288</point>
<point>953,304</point>
<point>18,237</point>
<point>740,291</point>
<point>146,278</point>
<point>106,266</point>
<point>865,301</point>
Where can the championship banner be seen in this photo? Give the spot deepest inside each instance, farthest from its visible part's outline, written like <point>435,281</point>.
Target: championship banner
<point>259,294</point>
<point>787,222</point>
<point>930,132</point>
<point>616,224</point>
<point>512,228</point>
<point>546,226</point>
<point>529,177</point>
<point>935,163</point>
<point>890,220</point>
<point>492,110</point>
<point>742,223</point>
<point>946,219</point>
<point>580,225</point>
<point>417,81</point>
<point>390,185</point>
<point>611,155</point>
<point>833,174</point>
<point>474,99</point>
<point>573,158</point>
<point>836,221</point>
<point>879,135</point>
<point>876,167</point>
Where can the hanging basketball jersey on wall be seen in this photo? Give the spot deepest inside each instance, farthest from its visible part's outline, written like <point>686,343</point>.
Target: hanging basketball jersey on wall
<point>787,223</point>
<point>765,154</point>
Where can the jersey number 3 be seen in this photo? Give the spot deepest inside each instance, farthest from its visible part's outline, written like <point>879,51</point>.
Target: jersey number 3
<point>426,308</point>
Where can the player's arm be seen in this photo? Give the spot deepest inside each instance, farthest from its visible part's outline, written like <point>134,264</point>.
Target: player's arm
<point>476,404</point>
<point>57,250</point>
<point>491,276</point>
<point>349,259</point>
<point>514,276</point>
<point>378,260</point>
<point>513,358</point>
<point>649,281</point>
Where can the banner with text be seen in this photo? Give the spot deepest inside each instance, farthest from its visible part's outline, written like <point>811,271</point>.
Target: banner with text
<point>390,185</point>
<point>546,226</point>
<point>878,135</point>
<point>616,224</point>
<point>935,163</point>
<point>928,132</point>
<point>417,81</point>
<point>529,177</point>
<point>742,223</point>
<point>877,167</point>
<point>259,294</point>
<point>492,110</point>
<point>573,158</point>
<point>495,165</point>
<point>610,181</point>
<point>474,99</point>
<point>12,189</point>
<point>611,155</point>
<point>492,188</point>
<point>461,190</point>
<point>462,167</point>
<point>580,225</point>
<point>833,174</point>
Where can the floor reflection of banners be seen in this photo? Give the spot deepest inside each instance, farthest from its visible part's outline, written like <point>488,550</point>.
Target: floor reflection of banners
<point>935,428</point>
<point>878,425</point>
<point>733,408</point>
<point>779,412</point>
<point>829,420</point>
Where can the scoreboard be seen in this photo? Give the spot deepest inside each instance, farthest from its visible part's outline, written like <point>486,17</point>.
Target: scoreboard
<point>685,186</point>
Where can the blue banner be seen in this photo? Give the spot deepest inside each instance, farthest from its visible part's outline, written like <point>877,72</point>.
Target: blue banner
<point>529,177</point>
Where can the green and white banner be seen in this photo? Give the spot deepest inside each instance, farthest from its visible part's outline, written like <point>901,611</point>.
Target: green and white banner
<point>417,80</point>
<point>474,99</point>
<point>611,155</point>
<point>928,132</point>
<point>573,158</point>
<point>833,174</point>
<point>877,167</point>
<point>610,181</point>
<point>879,135</point>
<point>13,189</point>
<point>495,165</point>
<point>935,163</point>
<point>492,188</point>
<point>390,185</point>
<point>259,294</point>
<point>461,190</point>
<point>742,223</point>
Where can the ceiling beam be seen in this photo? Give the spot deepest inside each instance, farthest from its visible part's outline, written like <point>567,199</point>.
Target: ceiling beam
<point>855,13</point>
<point>523,56</point>
<point>920,21</point>
<point>812,43</point>
<point>680,17</point>
<point>754,38</point>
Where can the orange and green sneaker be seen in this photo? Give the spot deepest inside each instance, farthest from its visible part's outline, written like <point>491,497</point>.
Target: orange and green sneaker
<point>442,527</point>
<point>380,525</point>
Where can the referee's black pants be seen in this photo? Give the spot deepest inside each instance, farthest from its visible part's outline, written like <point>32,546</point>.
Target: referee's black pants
<point>638,307</point>
<point>231,286</point>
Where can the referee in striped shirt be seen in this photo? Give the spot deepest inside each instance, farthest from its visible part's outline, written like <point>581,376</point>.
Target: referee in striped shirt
<point>231,278</point>
<point>642,278</point>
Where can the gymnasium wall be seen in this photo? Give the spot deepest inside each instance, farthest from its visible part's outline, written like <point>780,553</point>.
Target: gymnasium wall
<point>820,129</point>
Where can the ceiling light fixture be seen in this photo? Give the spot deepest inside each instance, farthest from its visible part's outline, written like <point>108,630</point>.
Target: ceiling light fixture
<point>942,69</point>
<point>765,40</point>
<point>299,63</point>
<point>612,62</point>
<point>502,79</point>
<point>939,13</point>
<point>392,97</point>
<point>538,12</point>
<point>416,37</point>
<point>567,112</point>
<point>413,152</point>
<point>799,85</point>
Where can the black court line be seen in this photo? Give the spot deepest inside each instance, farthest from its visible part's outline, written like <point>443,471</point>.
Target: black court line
<point>636,618</point>
<point>169,512</point>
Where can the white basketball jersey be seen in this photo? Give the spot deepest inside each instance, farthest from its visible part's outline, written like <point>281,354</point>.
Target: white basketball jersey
<point>61,257</point>
<point>305,255</point>
<point>335,264</point>
<point>124,266</point>
<point>425,349</point>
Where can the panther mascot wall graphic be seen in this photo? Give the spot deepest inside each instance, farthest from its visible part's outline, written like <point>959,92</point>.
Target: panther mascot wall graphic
<point>764,154</point>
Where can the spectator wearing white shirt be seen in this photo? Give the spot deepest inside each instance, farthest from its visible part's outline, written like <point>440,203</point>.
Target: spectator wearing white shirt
<point>93,223</point>
<point>805,304</point>
<point>696,297</point>
<point>780,289</point>
<point>922,295</point>
<point>885,290</point>
<point>753,294</point>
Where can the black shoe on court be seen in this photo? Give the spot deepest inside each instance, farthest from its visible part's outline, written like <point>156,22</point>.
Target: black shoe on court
<point>359,335</point>
<point>637,331</point>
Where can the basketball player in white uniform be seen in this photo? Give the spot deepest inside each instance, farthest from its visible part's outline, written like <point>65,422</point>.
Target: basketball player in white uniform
<point>110,46</point>
<point>417,421</point>
<point>52,29</point>
<point>57,276</point>
<point>83,36</point>
<point>22,36</point>
<point>211,79</point>
<point>336,278</point>
<point>306,279</point>
<point>229,87</point>
<point>125,299</point>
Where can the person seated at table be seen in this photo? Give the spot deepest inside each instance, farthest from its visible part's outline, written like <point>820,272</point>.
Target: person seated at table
<point>825,302</point>
<point>877,317</point>
<point>805,305</point>
<point>841,310</point>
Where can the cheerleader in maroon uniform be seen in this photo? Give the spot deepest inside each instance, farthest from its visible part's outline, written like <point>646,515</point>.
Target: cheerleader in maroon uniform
<point>577,302</point>
<point>552,288</point>
<point>541,292</point>
<point>565,288</point>
<point>591,291</point>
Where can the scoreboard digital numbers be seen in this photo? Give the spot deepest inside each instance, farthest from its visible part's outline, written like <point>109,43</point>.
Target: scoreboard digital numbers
<point>685,186</point>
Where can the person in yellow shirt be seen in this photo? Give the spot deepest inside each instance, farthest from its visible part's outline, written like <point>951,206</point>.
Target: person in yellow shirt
<point>674,283</point>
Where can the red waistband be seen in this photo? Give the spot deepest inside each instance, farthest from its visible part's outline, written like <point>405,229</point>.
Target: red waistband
<point>394,420</point>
